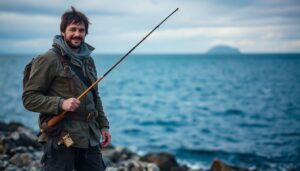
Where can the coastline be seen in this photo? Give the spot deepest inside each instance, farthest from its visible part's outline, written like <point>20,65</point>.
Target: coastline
<point>19,150</point>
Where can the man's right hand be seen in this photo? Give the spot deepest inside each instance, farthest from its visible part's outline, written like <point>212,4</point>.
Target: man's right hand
<point>70,105</point>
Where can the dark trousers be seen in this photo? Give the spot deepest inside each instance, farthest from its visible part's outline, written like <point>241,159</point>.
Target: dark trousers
<point>70,159</point>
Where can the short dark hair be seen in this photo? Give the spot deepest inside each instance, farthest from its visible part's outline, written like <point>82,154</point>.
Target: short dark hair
<point>75,17</point>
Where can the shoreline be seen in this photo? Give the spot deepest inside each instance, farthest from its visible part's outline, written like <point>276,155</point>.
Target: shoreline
<point>19,150</point>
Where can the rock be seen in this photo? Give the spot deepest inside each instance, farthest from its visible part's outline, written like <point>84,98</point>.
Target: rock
<point>4,157</point>
<point>28,137</point>
<point>3,164</point>
<point>21,159</point>
<point>3,161</point>
<point>18,150</point>
<point>14,126</point>
<point>2,149</point>
<point>37,154</point>
<point>118,154</point>
<point>9,127</point>
<point>218,165</point>
<point>3,126</point>
<point>26,158</point>
<point>14,135</point>
<point>165,161</point>
<point>35,166</point>
<point>24,137</point>
<point>133,165</point>
<point>11,167</point>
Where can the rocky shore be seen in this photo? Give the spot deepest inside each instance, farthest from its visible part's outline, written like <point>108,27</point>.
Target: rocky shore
<point>20,151</point>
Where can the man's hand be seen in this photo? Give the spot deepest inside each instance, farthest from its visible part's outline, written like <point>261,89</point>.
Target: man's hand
<point>106,138</point>
<point>70,105</point>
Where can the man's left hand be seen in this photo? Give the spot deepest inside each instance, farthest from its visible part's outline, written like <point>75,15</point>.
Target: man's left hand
<point>106,138</point>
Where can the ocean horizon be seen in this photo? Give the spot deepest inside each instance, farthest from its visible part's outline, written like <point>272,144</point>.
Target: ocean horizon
<point>243,109</point>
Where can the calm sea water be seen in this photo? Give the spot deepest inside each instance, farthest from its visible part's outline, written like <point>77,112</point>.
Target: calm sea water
<point>242,109</point>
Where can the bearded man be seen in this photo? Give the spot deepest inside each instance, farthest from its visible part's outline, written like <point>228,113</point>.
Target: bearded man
<point>56,78</point>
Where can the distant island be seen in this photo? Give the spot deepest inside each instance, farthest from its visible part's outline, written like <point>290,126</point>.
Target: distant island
<point>223,49</point>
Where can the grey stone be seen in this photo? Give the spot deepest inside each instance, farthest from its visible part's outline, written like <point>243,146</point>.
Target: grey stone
<point>164,161</point>
<point>20,149</point>
<point>3,164</point>
<point>133,165</point>
<point>21,159</point>
<point>218,165</point>
<point>11,167</point>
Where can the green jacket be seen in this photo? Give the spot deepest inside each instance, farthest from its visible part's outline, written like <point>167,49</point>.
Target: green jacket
<point>48,85</point>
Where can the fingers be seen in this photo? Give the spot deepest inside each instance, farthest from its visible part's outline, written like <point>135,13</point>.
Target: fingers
<point>105,143</point>
<point>70,105</point>
<point>75,103</point>
<point>106,138</point>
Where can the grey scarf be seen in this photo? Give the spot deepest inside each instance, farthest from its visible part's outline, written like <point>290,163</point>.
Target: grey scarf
<point>84,51</point>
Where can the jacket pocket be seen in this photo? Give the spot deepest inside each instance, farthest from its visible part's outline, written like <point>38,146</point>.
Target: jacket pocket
<point>67,78</point>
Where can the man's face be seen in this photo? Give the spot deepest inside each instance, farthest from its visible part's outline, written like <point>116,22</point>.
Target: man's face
<point>74,35</point>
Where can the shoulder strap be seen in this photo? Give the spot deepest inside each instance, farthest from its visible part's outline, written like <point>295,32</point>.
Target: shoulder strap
<point>66,68</point>
<point>58,53</point>
<point>26,73</point>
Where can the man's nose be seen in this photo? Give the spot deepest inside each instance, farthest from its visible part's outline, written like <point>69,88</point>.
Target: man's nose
<point>77,33</point>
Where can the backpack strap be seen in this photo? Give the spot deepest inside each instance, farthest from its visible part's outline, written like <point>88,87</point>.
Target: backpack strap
<point>26,73</point>
<point>66,68</point>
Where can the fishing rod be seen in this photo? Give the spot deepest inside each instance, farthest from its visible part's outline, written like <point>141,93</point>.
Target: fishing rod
<point>56,119</point>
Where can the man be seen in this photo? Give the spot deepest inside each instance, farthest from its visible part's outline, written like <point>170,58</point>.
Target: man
<point>56,78</point>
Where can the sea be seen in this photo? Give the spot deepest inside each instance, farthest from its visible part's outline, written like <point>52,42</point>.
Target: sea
<point>242,109</point>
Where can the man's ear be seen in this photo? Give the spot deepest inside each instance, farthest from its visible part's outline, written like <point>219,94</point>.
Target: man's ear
<point>62,34</point>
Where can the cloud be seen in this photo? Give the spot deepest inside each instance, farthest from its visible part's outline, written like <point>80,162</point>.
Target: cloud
<point>16,25</point>
<point>250,25</point>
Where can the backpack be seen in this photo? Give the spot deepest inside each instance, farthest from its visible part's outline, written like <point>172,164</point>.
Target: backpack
<point>26,72</point>
<point>55,130</point>
<point>44,117</point>
<point>27,69</point>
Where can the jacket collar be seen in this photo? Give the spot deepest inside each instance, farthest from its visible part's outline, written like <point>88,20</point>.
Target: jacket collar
<point>65,55</point>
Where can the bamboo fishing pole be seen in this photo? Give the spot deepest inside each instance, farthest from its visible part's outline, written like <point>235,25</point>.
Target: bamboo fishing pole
<point>56,119</point>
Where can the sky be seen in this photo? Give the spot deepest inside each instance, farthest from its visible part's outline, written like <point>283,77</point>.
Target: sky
<point>253,26</point>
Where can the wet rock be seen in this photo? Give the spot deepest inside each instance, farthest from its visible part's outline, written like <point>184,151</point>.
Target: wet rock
<point>11,167</point>
<point>21,159</point>
<point>118,154</point>
<point>165,161</point>
<point>133,165</point>
<point>3,164</point>
<point>3,161</point>
<point>35,166</point>
<point>24,137</point>
<point>19,150</point>
<point>218,165</point>
<point>13,126</point>
<point>2,148</point>
<point>9,127</point>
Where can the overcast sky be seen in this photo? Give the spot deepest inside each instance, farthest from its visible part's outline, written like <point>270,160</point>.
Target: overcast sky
<point>28,26</point>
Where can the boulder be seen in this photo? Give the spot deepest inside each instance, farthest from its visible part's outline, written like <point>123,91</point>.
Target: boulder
<point>218,165</point>
<point>115,155</point>
<point>21,159</point>
<point>133,165</point>
<point>165,161</point>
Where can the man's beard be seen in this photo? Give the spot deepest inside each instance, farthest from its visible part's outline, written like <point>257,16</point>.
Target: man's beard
<point>72,46</point>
